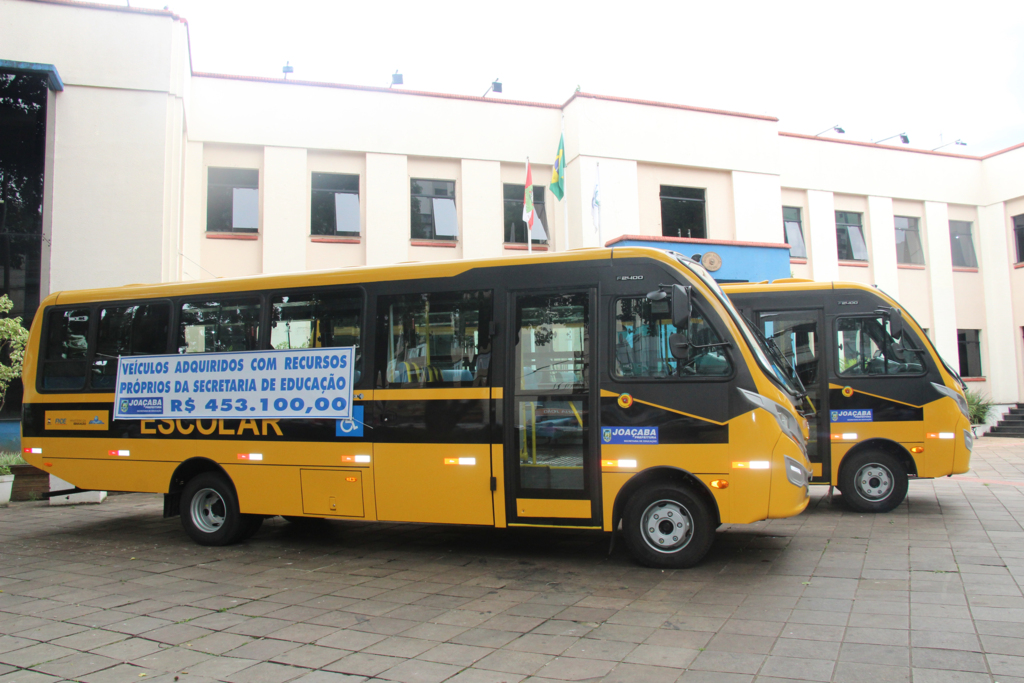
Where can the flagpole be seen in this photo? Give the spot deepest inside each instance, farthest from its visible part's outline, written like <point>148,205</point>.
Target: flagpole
<point>565,204</point>
<point>529,228</point>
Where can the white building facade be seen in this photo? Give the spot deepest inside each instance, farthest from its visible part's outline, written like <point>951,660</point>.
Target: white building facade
<point>157,173</point>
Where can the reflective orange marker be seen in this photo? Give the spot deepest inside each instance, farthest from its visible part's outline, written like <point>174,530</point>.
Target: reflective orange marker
<point>917,449</point>
<point>351,479</point>
<point>719,484</point>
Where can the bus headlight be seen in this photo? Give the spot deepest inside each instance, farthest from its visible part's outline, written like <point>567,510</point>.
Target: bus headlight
<point>795,472</point>
<point>787,421</point>
<point>961,402</point>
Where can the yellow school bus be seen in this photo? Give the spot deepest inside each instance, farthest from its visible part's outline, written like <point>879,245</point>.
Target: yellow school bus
<point>883,405</point>
<point>593,389</point>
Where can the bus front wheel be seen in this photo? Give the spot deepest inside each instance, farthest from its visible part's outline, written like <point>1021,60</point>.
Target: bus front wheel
<point>667,527</point>
<point>873,481</point>
<point>209,511</point>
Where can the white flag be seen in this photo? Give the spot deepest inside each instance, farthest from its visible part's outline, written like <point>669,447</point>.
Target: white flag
<point>595,204</point>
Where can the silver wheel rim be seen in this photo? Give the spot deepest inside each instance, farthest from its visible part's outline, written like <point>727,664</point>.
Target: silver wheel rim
<point>208,511</point>
<point>874,481</point>
<point>666,526</point>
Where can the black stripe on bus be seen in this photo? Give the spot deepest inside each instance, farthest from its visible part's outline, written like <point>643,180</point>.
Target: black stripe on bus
<point>883,410</point>
<point>673,428</point>
<point>419,421</point>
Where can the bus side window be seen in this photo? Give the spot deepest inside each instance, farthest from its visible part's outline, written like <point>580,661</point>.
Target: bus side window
<point>435,339</point>
<point>67,346</point>
<point>214,326</point>
<point>317,320</point>
<point>865,347</point>
<point>139,330</point>
<point>642,331</point>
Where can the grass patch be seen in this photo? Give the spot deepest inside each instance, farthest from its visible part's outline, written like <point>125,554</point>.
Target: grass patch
<point>8,459</point>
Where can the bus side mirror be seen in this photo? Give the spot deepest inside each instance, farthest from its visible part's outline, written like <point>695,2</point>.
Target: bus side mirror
<point>895,317</point>
<point>681,308</point>
<point>679,345</point>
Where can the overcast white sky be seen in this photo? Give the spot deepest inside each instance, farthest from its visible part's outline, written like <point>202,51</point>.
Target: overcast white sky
<point>938,71</point>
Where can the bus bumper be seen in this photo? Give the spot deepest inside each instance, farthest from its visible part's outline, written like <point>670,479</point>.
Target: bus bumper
<point>789,494</point>
<point>964,445</point>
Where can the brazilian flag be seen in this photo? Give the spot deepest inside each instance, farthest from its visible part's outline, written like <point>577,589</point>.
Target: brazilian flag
<point>558,171</point>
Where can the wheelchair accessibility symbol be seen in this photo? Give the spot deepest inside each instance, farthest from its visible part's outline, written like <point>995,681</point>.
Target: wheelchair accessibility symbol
<point>351,428</point>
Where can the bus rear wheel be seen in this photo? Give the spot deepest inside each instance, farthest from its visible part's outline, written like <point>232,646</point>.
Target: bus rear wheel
<point>667,527</point>
<point>873,481</point>
<point>209,511</point>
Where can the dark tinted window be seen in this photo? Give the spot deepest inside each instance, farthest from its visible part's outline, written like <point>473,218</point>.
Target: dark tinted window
<point>309,320</point>
<point>961,245</point>
<point>794,231</point>
<point>515,226</point>
<point>334,208</point>
<point>683,212</point>
<point>642,331</point>
<point>850,237</point>
<point>1018,232</point>
<point>139,330</point>
<point>433,210</point>
<point>233,200</point>
<point>865,347</point>
<point>214,325</point>
<point>969,348</point>
<point>67,348</point>
<point>908,241</point>
<point>434,339</point>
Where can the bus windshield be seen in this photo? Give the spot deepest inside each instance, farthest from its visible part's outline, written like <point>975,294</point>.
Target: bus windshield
<point>758,344</point>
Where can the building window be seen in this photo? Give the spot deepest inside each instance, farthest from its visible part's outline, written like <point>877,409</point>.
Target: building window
<point>683,212</point>
<point>961,245</point>
<point>908,241</point>
<point>1018,232</point>
<point>515,226</point>
<point>433,210</point>
<point>794,231</point>
<point>233,200</point>
<point>850,237</point>
<point>335,205</point>
<point>969,346</point>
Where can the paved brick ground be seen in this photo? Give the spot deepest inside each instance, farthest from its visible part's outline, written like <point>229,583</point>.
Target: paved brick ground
<point>929,593</point>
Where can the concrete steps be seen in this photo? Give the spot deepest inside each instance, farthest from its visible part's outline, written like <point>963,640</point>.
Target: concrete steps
<point>1012,424</point>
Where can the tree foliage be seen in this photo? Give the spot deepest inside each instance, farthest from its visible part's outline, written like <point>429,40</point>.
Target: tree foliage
<point>13,339</point>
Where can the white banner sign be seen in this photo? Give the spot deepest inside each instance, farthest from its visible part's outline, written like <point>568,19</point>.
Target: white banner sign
<point>295,383</point>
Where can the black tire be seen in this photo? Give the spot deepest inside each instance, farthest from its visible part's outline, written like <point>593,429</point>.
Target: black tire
<point>209,510</point>
<point>669,508</point>
<point>873,481</point>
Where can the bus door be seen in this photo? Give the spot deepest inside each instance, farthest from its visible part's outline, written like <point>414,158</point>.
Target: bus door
<point>552,472</point>
<point>797,334</point>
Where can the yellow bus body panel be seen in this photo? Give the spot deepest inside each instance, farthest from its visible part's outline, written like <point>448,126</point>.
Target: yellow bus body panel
<point>414,483</point>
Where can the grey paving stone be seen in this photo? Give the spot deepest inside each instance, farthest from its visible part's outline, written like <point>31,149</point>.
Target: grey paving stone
<point>524,663</point>
<point>76,665</point>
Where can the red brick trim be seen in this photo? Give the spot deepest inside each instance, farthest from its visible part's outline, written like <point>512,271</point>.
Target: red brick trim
<point>974,379</point>
<point>910,266</point>
<point>693,240</point>
<point>515,246</point>
<point>1018,265</point>
<point>232,235</point>
<point>798,261</point>
<point>651,103</point>
<point>854,264</point>
<point>433,243</point>
<point>876,146</point>
<point>328,239</point>
<point>958,269</point>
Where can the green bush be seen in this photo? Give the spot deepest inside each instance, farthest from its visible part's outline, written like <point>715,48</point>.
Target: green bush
<point>978,407</point>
